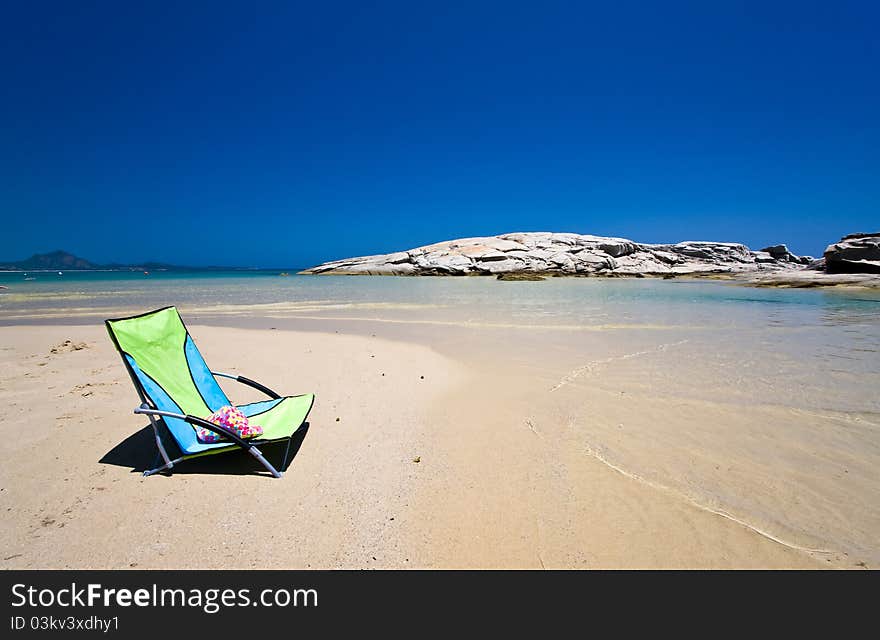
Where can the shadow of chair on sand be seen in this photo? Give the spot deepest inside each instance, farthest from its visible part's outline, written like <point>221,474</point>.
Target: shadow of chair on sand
<point>139,452</point>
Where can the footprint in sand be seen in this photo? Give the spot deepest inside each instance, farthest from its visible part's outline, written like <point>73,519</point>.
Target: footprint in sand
<point>89,388</point>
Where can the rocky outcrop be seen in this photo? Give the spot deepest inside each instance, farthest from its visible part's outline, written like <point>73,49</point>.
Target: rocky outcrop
<point>781,252</point>
<point>520,277</point>
<point>810,278</point>
<point>855,253</point>
<point>567,254</point>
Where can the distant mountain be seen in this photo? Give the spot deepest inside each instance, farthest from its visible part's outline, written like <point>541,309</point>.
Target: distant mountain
<point>62,260</point>
<point>49,261</point>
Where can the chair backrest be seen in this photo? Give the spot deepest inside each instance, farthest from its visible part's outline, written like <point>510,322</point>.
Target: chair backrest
<point>167,368</point>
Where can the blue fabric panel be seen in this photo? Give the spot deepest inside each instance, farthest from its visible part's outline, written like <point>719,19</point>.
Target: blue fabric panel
<point>204,379</point>
<point>258,407</point>
<point>181,431</point>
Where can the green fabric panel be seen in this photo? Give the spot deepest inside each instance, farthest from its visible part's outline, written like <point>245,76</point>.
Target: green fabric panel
<point>156,342</point>
<point>285,417</point>
<point>279,423</point>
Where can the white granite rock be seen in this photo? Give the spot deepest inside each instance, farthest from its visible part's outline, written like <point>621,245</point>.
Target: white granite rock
<point>567,253</point>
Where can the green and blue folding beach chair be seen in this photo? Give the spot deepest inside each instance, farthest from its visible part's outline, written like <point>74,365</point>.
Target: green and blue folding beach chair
<point>177,390</point>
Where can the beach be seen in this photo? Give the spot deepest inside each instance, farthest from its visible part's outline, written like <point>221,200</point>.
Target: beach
<point>456,434</point>
<point>353,496</point>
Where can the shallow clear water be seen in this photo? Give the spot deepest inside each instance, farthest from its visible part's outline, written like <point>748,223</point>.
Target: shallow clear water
<point>561,301</point>
<point>823,343</point>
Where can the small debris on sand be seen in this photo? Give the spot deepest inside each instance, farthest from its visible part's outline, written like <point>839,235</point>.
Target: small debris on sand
<point>417,459</point>
<point>87,389</point>
<point>67,346</point>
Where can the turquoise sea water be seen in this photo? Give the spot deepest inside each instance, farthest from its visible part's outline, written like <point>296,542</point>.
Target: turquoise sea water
<point>561,301</point>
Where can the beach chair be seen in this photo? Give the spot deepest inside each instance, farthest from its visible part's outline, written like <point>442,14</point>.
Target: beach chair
<point>178,391</point>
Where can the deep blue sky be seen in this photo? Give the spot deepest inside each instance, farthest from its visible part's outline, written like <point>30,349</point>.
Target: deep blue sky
<point>261,134</point>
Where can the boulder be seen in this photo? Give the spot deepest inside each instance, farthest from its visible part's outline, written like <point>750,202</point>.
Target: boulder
<point>855,253</point>
<point>781,252</point>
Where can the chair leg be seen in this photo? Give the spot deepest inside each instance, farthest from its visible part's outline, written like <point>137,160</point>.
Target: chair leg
<point>169,463</point>
<point>157,470</point>
<point>259,456</point>
<point>286,452</point>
